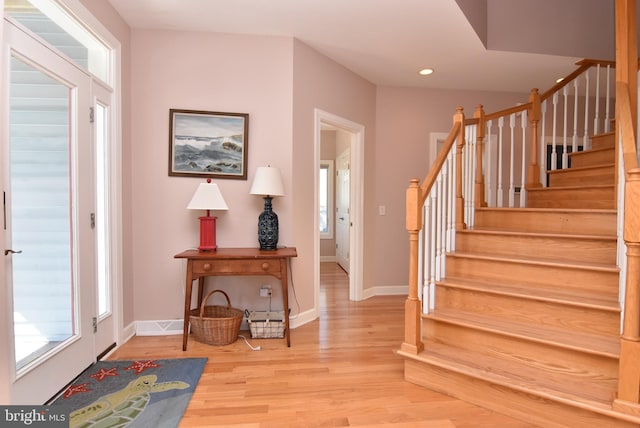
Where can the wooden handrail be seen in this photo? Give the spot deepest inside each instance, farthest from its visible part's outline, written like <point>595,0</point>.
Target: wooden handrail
<point>583,65</point>
<point>432,175</point>
<point>506,112</point>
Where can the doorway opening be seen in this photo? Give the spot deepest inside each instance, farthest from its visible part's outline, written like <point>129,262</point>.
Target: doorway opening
<point>353,143</point>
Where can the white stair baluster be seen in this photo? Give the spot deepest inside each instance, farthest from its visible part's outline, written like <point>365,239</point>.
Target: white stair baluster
<point>470,198</point>
<point>423,282</point>
<point>596,96</point>
<point>565,155</point>
<point>440,220</point>
<point>499,199</point>
<point>574,143</point>
<point>585,137</point>
<point>489,161</point>
<point>431,241</point>
<point>542,145</point>
<point>523,168</point>
<point>607,116</point>
<point>554,155</point>
<point>512,125</point>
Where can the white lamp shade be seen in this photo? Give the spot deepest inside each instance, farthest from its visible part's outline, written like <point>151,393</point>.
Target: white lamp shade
<point>207,197</point>
<point>267,182</point>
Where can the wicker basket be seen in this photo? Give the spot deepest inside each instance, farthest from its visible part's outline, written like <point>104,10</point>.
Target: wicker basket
<point>216,325</point>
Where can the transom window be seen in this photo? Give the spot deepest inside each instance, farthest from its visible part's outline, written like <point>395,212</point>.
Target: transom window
<point>48,20</point>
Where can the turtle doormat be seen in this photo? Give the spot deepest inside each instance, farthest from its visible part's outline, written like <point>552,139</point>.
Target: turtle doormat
<point>137,393</point>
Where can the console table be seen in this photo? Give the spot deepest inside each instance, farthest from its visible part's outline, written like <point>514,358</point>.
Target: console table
<point>234,261</point>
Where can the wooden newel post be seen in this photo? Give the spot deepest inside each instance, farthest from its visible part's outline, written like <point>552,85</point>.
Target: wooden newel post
<point>480,198</point>
<point>535,112</point>
<point>412,308</point>
<point>629,371</point>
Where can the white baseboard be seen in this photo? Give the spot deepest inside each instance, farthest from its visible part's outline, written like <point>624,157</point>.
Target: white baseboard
<point>174,327</point>
<point>159,328</point>
<point>327,259</point>
<point>400,290</point>
<point>128,332</point>
<point>296,320</point>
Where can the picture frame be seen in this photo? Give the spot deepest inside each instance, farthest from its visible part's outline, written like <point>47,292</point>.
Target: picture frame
<point>208,144</point>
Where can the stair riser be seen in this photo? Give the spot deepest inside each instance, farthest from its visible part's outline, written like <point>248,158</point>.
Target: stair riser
<point>543,221</point>
<point>585,198</point>
<point>556,367</point>
<point>592,158</point>
<point>506,400</point>
<point>603,141</point>
<point>516,309</point>
<point>582,177</point>
<point>554,277</point>
<point>551,248</point>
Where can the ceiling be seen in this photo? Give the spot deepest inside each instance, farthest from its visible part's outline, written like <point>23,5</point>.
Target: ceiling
<point>388,41</point>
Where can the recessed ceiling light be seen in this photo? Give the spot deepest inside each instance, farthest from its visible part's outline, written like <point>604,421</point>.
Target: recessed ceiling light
<point>560,79</point>
<point>425,71</point>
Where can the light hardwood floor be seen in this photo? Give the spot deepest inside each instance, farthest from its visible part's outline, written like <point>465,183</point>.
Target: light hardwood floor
<point>341,370</point>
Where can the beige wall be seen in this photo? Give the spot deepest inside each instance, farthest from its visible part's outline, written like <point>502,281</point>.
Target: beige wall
<point>169,70</point>
<point>210,72</point>
<point>405,117</point>
<point>321,83</point>
<point>279,82</point>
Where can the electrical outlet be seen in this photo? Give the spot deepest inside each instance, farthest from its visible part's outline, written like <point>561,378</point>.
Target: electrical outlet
<point>265,291</point>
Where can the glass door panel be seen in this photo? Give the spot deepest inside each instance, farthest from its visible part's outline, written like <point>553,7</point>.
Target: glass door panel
<point>43,289</point>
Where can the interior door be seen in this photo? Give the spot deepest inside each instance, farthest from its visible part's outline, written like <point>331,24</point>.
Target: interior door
<point>50,259</point>
<point>343,222</point>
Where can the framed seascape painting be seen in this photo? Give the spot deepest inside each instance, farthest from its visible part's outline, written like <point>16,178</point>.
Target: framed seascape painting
<point>208,144</point>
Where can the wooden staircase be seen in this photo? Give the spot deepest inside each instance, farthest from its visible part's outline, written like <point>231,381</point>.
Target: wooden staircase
<point>527,319</point>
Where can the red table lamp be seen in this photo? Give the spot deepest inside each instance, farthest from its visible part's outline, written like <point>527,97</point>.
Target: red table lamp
<point>207,197</point>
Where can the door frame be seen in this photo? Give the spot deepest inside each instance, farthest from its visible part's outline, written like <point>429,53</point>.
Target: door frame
<point>27,384</point>
<point>356,196</point>
<point>115,196</point>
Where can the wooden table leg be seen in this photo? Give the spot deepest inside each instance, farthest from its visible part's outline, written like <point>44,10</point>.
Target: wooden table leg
<point>187,304</point>
<point>285,298</point>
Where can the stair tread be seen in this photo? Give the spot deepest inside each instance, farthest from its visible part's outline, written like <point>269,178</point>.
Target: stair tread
<point>581,168</point>
<point>606,267</point>
<point>586,298</point>
<point>584,152</point>
<point>553,210</point>
<point>494,231</point>
<point>513,375</point>
<point>575,187</point>
<point>583,342</point>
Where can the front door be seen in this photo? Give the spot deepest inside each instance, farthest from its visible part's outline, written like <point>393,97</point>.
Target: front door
<point>49,202</point>
<point>343,222</point>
